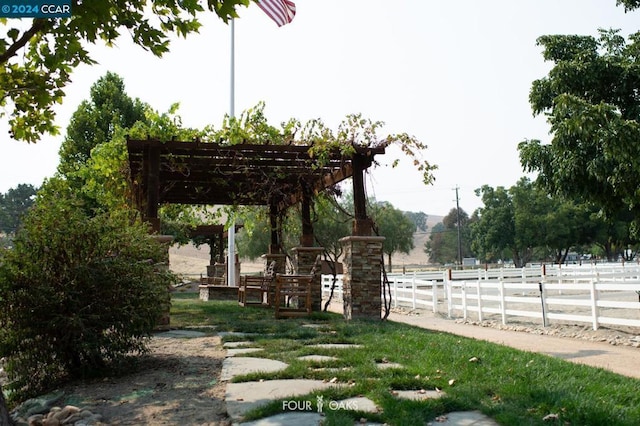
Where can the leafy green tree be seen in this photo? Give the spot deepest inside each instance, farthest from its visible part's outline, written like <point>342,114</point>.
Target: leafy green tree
<point>396,227</point>
<point>614,236</point>
<point>628,4</point>
<point>255,237</point>
<point>331,222</point>
<point>13,205</point>
<point>419,219</point>
<point>79,293</point>
<point>530,224</point>
<point>494,230</point>
<point>590,99</point>
<point>442,246</point>
<point>39,58</point>
<point>97,120</point>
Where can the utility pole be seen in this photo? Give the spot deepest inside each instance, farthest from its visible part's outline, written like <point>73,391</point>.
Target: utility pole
<point>458,221</point>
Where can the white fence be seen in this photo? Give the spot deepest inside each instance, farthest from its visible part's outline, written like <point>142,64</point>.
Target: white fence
<point>602,294</point>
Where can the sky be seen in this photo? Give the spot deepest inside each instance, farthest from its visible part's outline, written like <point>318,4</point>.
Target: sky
<point>456,75</point>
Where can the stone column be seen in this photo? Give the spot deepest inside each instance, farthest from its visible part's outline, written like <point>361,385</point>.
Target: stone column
<point>280,268</point>
<point>281,261</point>
<point>304,258</point>
<point>362,279</point>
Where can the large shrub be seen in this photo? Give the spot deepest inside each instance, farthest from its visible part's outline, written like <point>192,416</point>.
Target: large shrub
<point>79,292</point>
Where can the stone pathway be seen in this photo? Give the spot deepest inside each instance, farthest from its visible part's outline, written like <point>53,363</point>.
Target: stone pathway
<point>245,396</point>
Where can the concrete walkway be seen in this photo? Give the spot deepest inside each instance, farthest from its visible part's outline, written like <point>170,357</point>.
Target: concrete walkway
<point>624,360</point>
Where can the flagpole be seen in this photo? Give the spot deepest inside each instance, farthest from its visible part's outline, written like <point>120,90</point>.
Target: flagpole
<point>231,233</point>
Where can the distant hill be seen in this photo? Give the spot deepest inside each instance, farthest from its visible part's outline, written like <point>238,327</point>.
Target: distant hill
<point>417,256</point>
<point>193,261</point>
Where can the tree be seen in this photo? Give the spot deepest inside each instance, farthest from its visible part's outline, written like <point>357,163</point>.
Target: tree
<point>628,4</point>
<point>494,230</point>
<point>420,220</point>
<point>96,121</point>
<point>80,293</point>
<point>331,222</point>
<point>442,246</point>
<point>396,228</point>
<point>13,205</point>
<point>39,58</point>
<point>590,99</point>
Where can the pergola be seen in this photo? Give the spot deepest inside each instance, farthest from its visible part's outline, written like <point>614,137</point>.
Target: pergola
<point>277,176</point>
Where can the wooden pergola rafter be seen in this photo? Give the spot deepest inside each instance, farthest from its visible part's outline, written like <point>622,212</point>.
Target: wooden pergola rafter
<point>200,173</point>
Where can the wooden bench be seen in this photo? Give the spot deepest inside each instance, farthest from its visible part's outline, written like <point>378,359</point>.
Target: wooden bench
<point>255,290</point>
<point>293,293</point>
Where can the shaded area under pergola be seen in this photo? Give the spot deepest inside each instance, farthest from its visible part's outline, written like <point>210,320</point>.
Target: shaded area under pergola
<point>277,176</point>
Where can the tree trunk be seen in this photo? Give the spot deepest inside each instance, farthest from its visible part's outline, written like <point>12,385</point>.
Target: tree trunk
<point>390,266</point>
<point>5,419</point>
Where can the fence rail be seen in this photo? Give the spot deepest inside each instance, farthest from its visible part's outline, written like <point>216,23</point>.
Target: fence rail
<point>595,294</point>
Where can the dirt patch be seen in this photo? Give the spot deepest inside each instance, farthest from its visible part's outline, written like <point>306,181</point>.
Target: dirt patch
<point>176,383</point>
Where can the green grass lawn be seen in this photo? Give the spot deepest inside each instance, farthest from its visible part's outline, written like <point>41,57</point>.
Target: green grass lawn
<point>511,386</point>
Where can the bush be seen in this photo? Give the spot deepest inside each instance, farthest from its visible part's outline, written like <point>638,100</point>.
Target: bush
<point>79,293</point>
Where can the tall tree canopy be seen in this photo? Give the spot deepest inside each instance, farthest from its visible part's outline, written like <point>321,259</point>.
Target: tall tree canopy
<point>96,121</point>
<point>442,245</point>
<point>39,55</point>
<point>396,228</point>
<point>591,100</point>
<point>13,205</point>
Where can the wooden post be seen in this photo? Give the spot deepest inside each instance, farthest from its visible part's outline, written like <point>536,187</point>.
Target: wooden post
<point>274,246</point>
<point>152,177</point>
<point>306,239</point>
<point>362,225</point>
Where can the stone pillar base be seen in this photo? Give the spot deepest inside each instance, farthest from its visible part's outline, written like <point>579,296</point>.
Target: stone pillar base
<point>280,268</point>
<point>362,282</point>
<point>281,261</point>
<point>304,258</point>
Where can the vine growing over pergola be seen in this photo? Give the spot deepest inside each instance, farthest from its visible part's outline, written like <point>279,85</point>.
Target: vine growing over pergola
<point>249,162</point>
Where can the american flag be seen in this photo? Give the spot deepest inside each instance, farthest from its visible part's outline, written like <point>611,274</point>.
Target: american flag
<point>281,11</point>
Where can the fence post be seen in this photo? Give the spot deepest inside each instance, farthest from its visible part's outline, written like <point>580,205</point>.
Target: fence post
<point>479,302</point>
<point>594,304</point>
<point>413,290</point>
<point>463,293</point>
<point>503,311</point>
<point>543,303</point>
<point>434,297</point>
<point>449,304</point>
<point>395,292</point>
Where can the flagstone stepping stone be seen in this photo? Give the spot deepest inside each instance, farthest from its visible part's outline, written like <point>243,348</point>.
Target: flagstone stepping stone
<point>385,365</point>
<point>333,369</point>
<point>292,418</point>
<point>336,346</point>
<point>236,344</point>
<point>317,358</point>
<point>234,334</point>
<point>463,418</point>
<point>242,397</point>
<point>181,334</point>
<point>417,395</point>
<point>236,366</point>
<point>314,325</point>
<point>242,351</point>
